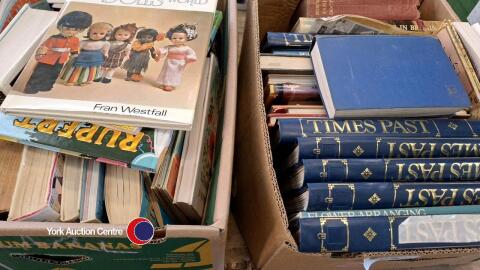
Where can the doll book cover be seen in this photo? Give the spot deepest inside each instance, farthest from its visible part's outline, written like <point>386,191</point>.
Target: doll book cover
<point>136,63</point>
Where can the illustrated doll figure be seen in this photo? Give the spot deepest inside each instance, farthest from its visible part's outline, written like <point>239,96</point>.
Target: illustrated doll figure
<point>178,55</point>
<point>54,52</point>
<point>120,47</point>
<point>85,68</point>
<point>142,50</point>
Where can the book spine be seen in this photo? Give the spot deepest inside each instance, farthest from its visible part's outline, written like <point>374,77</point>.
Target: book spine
<point>285,93</point>
<point>376,234</point>
<point>356,196</point>
<point>287,41</point>
<point>290,129</point>
<point>384,147</point>
<point>391,170</point>
<point>397,212</point>
<point>379,9</point>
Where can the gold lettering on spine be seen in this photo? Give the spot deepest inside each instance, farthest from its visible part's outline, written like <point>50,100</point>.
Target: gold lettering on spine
<point>47,126</point>
<point>113,140</point>
<point>337,128</point>
<point>385,124</point>
<point>387,161</point>
<point>395,190</point>
<point>25,123</point>
<point>68,129</point>
<point>322,235</point>
<point>130,143</point>
<point>324,174</point>
<point>424,126</point>
<point>409,199</point>
<point>317,150</point>
<point>86,134</point>
<point>370,126</point>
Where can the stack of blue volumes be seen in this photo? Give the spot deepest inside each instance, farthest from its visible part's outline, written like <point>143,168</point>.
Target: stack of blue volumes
<point>372,185</point>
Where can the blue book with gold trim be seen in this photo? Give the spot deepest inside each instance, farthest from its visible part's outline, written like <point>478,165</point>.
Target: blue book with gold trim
<point>377,234</point>
<point>391,76</point>
<point>288,130</point>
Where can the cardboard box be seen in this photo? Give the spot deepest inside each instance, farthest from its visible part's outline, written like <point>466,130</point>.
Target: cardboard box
<point>27,245</point>
<point>257,204</point>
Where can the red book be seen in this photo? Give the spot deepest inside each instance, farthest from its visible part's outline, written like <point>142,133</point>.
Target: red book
<point>375,9</point>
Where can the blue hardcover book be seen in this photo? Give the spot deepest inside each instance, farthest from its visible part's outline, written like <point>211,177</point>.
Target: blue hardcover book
<point>290,129</point>
<point>381,147</point>
<point>388,76</point>
<point>387,170</point>
<point>356,196</point>
<point>287,41</point>
<point>377,234</point>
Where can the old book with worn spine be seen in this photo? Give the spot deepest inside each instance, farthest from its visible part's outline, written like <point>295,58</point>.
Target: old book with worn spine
<point>376,9</point>
<point>11,157</point>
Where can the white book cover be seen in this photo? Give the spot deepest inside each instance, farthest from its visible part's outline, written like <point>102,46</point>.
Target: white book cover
<point>14,51</point>
<point>122,62</point>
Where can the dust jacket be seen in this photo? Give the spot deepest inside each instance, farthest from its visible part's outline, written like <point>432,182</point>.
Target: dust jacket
<point>136,63</point>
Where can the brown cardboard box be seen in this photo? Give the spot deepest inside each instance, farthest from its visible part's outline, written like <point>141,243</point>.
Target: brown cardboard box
<point>257,203</point>
<point>27,245</point>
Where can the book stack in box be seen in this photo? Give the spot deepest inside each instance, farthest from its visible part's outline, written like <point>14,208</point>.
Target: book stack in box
<point>109,112</point>
<point>374,148</point>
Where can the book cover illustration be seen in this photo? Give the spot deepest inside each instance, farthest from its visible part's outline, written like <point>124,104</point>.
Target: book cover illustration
<point>118,63</point>
<point>140,151</point>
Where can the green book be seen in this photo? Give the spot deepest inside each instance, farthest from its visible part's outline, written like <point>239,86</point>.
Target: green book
<point>463,7</point>
<point>396,212</point>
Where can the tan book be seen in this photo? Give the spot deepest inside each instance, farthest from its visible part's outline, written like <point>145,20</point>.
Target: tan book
<point>286,64</point>
<point>10,157</point>
<point>125,194</point>
<point>71,188</point>
<point>37,192</point>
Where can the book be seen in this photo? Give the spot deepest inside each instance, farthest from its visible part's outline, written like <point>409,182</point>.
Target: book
<point>381,147</point>
<point>126,196</point>
<point>72,186</point>
<point>11,157</point>
<point>143,150</point>
<point>197,159</point>
<point>369,195</point>
<point>383,170</point>
<point>150,79</point>
<point>463,8</point>
<point>358,25</point>
<point>285,64</point>
<point>92,195</point>
<point>291,93</point>
<point>285,112</point>
<point>287,41</point>
<point>307,80</point>
<point>377,234</point>
<point>38,189</point>
<point>395,212</point>
<point>470,38</point>
<point>391,76</point>
<point>14,50</point>
<point>10,8</point>
<point>288,130</point>
<point>474,16</point>
<point>376,9</point>
<point>457,54</point>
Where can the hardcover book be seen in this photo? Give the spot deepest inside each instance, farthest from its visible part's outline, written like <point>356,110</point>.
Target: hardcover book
<point>392,76</point>
<point>289,130</point>
<point>136,63</point>
<point>377,9</point>
<point>377,234</point>
<point>143,150</point>
<point>384,170</point>
<point>287,41</point>
<point>369,195</point>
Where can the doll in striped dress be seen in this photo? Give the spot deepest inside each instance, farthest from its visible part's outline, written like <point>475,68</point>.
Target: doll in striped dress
<point>85,68</point>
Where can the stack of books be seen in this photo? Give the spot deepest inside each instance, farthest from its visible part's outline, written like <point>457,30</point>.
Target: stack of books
<point>375,149</point>
<point>110,112</point>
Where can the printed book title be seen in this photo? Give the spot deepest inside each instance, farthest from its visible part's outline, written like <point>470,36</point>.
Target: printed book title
<point>128,110</point>
<point>157,3</point>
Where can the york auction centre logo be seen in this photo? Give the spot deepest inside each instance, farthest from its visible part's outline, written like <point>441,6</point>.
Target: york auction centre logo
<point>140,231</point>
